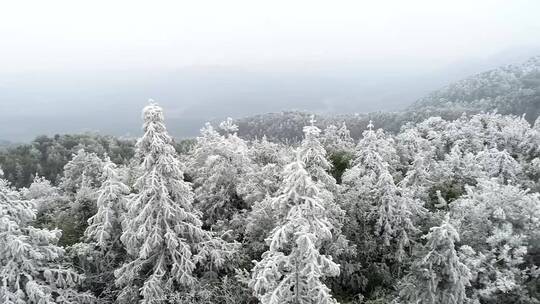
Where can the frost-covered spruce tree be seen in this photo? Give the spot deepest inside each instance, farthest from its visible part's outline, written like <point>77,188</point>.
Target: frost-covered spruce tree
<point>162,231</point>
<point>372,196</point>
<point>217,165</point>
<point>501,226</point>
<point>337,140</point>
<point>395,211</point>
<point>345,136</point>
<point>330,139</point>
<point>43,193</point>
<point>105,226</point>
<point>499,164</point>
<point>313,155</point>
<point>84,166</point>
<point>418,159</point>
<point>81,179</point>
<point>31,268</point>
<point>452,174</point>
<point>361,198</point>
<point>293,268</point>
<point>264,176</point>
<point>103,251</point>
<point>373,154</point>
<point>437,276</point>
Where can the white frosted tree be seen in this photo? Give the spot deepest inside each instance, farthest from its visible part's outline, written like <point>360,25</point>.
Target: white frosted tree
<point>293,268</point>
<point>84,166</point>
<point>330,139</point>
<point>79,183</point>
<point>102,251</point>
<point>418,159</point>
<point>395,212</point>
<point>452,174</point>
<point>364,204</point>
<point>162,231</point>
<point>337,140</point>
<point>31,264</point>
<point>437,276</point>
<point>228,126</point>
<point>313,155</point>
<point>217,165</point>
<point>373,154</point>
<point>345,136</point>
<point>264,152</point>
<point>372,197</point>
<point>499,164</point>
<point>264,176</point>
<point>43,193</point>
<point>105,226</point>
<point>501,224</point>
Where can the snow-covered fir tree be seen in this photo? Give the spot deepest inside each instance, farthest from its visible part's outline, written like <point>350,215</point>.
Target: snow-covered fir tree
<point>313,155</point>
<point>42,192</point>
<point>418,159</point>
<point>373,152</point>
<point>372,196</point>
<point>218,163</point>
<point>31,263</point>
<point>79,184</point>
<point>162,231</point>
<point>84,166</point>
<point>293,268</point>
<point>362,201</point>
<point>499,164</point>
<point>228,126</point>
<point>500,224</point>
<point>437,276</point>
<point>453,173</point>
<point>105,226</point>
<point>102,251</point>
<point>336,139</point>
<point>396,211</point>
<point>264,177</point>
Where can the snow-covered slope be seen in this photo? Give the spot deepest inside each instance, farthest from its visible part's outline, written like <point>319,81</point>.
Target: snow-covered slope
<point>513,89</point>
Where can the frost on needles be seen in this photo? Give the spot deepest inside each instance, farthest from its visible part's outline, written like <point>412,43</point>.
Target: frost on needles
<point>31,263</point>
<point>293,269</point>
<point>163,233</point>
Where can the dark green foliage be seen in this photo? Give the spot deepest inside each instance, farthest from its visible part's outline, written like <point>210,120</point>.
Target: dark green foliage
<point>69,215</point>
<point>47,156</point>
<point>184,146</point>
<point>340,162</point>
<point>228,290</point>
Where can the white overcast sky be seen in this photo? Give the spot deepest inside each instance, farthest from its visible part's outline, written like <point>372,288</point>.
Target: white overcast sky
<point>72,34</point>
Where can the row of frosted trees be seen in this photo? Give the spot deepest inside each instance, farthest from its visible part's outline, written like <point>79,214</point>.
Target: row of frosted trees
<point>443,212</point>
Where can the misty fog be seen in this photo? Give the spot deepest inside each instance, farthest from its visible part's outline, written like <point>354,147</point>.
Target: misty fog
<point>67,68</point>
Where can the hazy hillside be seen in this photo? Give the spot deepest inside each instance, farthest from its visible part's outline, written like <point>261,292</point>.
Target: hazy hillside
<point>287,126</point>
<point>513,89</point>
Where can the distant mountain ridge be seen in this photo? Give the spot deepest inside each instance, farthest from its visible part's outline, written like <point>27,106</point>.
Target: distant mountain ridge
<point>512,89</point>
